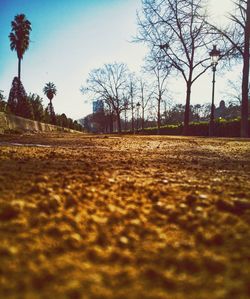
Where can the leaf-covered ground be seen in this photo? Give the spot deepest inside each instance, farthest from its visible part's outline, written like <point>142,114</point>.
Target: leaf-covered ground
<point>124,217</point>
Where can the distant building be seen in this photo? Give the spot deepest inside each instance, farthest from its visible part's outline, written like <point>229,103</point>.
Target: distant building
<point>221,110</point>
<point>98,106</point>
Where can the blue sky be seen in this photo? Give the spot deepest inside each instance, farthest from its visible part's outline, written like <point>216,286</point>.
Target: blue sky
<point>69,38</point>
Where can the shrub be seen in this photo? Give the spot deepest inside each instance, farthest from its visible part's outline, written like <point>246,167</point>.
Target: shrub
<point>223,128</point>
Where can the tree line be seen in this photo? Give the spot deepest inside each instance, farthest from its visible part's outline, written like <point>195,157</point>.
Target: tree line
<point>179,35</point>
<point>18,102</point>
<point>31,106</point>
<point>100,122</point>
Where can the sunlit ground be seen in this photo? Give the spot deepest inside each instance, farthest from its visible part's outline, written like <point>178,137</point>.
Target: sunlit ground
<point>124,217</point>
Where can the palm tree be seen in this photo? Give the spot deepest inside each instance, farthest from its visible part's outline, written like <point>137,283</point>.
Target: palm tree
<point>50,91</point>
<point>20,38</point>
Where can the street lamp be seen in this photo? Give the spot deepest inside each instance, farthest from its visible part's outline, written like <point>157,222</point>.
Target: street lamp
<point>215,55</point>
<point>138,107</point>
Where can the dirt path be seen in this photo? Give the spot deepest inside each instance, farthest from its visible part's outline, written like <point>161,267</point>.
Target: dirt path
<point>124,217</point>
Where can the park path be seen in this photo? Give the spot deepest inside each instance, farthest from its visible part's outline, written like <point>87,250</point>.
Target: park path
<point>124,217</point>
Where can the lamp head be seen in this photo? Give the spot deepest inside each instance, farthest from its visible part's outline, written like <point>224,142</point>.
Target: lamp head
<point>215,55</point>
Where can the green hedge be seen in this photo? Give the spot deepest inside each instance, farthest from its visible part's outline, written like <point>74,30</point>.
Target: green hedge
<point>223,128</point>
<point>164,130</point>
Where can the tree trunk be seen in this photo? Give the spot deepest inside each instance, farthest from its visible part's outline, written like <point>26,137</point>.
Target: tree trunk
<point>159,116</point>
<point>111,125</point>
<point>50,107</point>
<point>142,119</point>
<point>132,120</point>
<point>165,112</point>
<point>19,84</point>
<point>187,109</point>
<point>19,69</point>
<point>52,114</point>
<point>245,77</point>
<point>125,121</point>
<point>119,122</point>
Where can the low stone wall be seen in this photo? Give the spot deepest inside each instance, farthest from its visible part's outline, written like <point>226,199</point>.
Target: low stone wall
<point>10,122</point>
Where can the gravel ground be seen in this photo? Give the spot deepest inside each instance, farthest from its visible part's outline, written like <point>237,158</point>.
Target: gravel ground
<point>124,217</point>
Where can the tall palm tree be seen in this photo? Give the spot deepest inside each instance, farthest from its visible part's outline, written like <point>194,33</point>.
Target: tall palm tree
<point>50,91</point>
<point>20,38</point>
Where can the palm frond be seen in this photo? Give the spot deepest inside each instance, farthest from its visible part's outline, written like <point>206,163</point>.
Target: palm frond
<point>50,90</point>
<point>20,35</point>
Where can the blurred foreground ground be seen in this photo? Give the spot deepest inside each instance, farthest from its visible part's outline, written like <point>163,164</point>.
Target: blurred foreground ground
<point>124,217</point>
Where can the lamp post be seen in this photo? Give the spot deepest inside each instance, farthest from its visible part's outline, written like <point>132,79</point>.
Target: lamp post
<point>215,55</point>
<point>138,107</point>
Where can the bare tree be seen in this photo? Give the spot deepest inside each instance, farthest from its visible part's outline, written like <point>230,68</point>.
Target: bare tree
<point>159,90</point>
<point>126,108</point>
<point>160,71</point>
<point>177,32</point>
<point>233,92</point>
<point>109,83</point>
<point>236,36</point>
<point>145,95</point>
<point>138,106</point>
<point>132,89</point>
<point>111,116</point>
